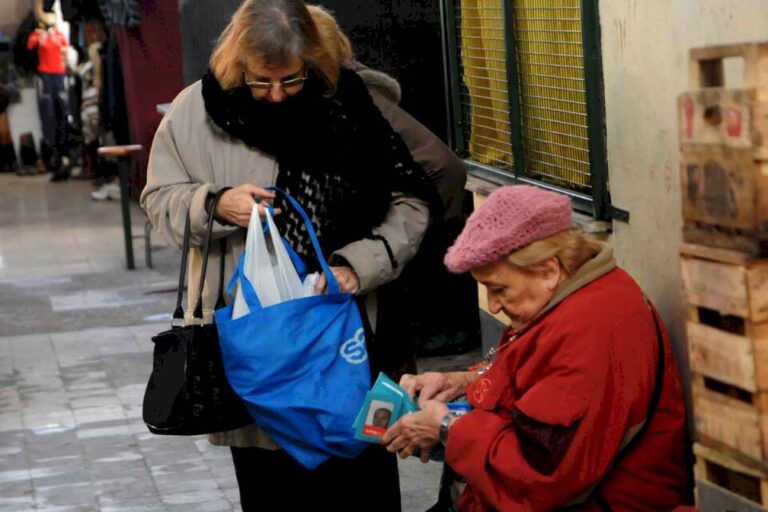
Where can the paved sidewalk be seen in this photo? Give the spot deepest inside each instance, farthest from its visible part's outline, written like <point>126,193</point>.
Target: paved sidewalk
<point>75,355</point>
<point>73,438</point>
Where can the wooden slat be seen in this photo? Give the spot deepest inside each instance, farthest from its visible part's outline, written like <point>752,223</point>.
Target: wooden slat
<point>706,65</point>
<point>721,355</point>
<point>749,243</point>
<point>716,115</point>
<point>730,421</point>
<point>715,254</point>
<point>716,286</point>
<point>724,460</point>
<point>720,187</point>
<point>757,290</point>
<point>758,333</point>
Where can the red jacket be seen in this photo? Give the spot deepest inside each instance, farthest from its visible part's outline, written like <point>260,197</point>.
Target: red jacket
<point>49,50</point>
<point>550,414</point>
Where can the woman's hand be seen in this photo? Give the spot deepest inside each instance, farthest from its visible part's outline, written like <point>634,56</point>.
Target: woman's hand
<point>417,432</point>
<point>346,277</point>
<point>236,204</point>
<point>440,386</point>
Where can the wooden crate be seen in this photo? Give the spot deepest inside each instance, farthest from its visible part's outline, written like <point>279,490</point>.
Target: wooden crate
<point>725,198</point>
<point>727,332</point>
<point>728,416</point>
<point>707,70</point>
<point>730,117</point>
<point>722,477</point>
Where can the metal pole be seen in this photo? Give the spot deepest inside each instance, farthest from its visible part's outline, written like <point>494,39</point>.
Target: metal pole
<point>125,204</point>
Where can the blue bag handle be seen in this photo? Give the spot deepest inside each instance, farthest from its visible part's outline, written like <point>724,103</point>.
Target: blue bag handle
<point>249,294</point>
<point>333,284</point>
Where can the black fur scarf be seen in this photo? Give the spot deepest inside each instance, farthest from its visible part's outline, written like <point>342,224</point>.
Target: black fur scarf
<point>337,156</point>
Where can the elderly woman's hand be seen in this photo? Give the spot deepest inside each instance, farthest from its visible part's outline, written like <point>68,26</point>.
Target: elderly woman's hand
<point>441,386</point>
<point>417,432</point>
<point>236,204</point>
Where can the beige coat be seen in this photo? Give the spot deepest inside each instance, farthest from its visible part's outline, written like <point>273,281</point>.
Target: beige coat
<point>191,157</point>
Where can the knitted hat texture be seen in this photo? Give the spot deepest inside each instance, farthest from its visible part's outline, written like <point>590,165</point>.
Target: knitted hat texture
<point>511,217</point>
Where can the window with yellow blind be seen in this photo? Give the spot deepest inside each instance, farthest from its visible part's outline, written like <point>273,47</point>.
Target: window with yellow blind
<point>525,89</point>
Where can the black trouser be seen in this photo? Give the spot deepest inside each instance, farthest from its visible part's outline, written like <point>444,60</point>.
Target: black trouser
<point>54,113</point>
<point>369,482</point>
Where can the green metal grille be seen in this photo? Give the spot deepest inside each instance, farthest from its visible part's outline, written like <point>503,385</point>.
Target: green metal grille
<point>550,62</point>
<point>484,95</point>
<point>547,135</point>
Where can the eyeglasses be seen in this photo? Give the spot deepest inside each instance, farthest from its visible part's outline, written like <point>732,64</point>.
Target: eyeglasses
<point>284,84</point>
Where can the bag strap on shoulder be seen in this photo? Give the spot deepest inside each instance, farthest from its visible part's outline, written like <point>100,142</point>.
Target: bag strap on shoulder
<point>632,437</point>
<point>178,314</point>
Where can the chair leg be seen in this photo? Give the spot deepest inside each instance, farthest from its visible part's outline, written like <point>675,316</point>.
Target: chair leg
<point>148,243</point>
<point>125,206</point>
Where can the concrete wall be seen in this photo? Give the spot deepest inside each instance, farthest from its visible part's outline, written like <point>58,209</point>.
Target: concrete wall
<point>645,47</point>
<point>11,14</point>
<point>24,117</point>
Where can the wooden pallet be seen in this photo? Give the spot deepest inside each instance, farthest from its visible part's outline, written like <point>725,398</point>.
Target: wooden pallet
<point>725,198</point>
<point>707,69</point>
<point>727,332</point>
<point>729,117</point>
<point>720,476</point>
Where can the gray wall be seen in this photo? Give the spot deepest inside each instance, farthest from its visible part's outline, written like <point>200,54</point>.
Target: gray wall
<point>201,22</point>
<point>645,48</point>
<point>400,37</point>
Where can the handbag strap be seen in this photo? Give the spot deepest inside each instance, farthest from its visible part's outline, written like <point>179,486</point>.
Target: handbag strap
<point>178,314</point>
<point>653,405</point>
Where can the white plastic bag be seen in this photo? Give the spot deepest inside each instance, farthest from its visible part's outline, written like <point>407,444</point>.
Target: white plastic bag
<point>267,266</point>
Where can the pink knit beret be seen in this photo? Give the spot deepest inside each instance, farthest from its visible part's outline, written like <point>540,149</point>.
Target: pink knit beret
<point>509,219</point>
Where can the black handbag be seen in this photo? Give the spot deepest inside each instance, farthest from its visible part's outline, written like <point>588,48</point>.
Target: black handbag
<point>188,393</point>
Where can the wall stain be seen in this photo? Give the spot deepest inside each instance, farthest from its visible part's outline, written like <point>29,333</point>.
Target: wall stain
<point>621,30</point>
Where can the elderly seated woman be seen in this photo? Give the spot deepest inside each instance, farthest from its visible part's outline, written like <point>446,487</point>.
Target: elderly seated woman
<point>580,405</point>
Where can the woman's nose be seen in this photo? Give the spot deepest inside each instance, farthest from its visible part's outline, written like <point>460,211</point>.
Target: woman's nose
<point>494,304</point>
<point>276,93</point>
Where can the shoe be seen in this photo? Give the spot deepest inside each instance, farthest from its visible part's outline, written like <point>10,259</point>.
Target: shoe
<point>106,191</point>
<point>113,191</point>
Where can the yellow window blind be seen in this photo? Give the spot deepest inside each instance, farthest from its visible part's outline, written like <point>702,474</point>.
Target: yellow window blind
<point>485,100</point>
<point>550,75</point>
<point>550,62</point>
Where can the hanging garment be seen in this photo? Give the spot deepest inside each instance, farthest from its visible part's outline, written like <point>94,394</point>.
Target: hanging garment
<point>50,45</point>
<point>113,111</point>
<point>80,10</point>
<point>24,59</point>
<point>121,12</point>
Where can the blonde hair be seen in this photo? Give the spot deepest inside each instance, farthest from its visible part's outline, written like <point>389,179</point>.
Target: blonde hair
<point>572,249</point>
<point>337,44</point>
<point>276,31</point>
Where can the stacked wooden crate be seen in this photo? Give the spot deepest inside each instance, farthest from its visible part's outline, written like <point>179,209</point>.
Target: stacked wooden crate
<point>724,176</point>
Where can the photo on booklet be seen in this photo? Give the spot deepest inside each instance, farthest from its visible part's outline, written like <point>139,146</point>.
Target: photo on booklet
<point>379,412</point>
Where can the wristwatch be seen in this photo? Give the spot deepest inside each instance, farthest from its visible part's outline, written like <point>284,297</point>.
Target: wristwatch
<point>445,424</point>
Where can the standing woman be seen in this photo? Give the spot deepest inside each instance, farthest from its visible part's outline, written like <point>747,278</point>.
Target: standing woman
<point>277,109</point>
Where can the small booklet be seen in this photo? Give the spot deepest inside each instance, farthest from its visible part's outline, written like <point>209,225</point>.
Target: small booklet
<point>384,404</point>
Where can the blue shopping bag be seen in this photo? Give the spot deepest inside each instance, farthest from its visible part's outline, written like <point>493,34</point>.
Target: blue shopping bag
<point>300,366</point>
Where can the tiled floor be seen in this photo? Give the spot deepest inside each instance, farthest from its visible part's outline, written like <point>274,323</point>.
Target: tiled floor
<point>75,353</point>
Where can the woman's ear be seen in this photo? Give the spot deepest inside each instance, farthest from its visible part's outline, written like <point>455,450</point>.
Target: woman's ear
<point>552,273</point>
